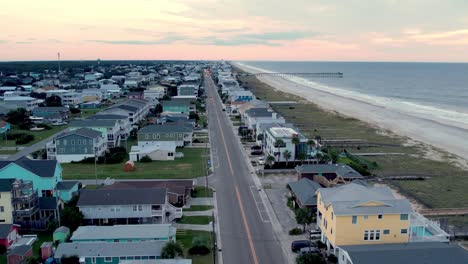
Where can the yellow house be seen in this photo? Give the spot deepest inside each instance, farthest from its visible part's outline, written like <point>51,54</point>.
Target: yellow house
<point>6,208</point>
<point>354,214</point>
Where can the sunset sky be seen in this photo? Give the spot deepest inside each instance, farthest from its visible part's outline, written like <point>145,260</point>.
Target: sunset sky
<point>343,30</point>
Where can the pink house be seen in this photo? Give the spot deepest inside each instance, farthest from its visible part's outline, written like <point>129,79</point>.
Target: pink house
<point>8,234</point>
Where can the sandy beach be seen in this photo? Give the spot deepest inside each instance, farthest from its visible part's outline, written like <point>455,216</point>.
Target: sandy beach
<point>452,139</point>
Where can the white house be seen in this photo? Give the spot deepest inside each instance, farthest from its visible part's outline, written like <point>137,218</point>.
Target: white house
<point>286,134</point>
<point>26,102</point>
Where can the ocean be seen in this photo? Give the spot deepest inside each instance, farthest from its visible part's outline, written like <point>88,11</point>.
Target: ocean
<point>433,91</point>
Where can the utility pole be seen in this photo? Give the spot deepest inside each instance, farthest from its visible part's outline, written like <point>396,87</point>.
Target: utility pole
<point>95,161</point>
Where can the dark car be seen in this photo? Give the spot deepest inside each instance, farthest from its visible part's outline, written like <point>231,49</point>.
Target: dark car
<point>298,244</point>
<point>255,147</point>
<point>256,152</point>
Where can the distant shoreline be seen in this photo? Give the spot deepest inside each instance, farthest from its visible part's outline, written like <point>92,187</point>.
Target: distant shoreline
<point>445,137</point>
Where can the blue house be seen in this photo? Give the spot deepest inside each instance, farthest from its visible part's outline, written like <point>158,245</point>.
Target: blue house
<point>45,175</point>
<point>4,126</point>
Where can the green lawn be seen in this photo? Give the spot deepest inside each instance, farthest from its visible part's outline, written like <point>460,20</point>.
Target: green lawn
<point>185,237</point>
<point>202,119</point>
<point>7,152</point>
<point>192,165</point>
<point>88,112</point>
<point>38,135</point>
<point>202,191</point>
<point>196,220</point>
<point>199,208</point>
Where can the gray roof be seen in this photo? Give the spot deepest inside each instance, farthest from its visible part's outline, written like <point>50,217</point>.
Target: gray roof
<point>177,102</point>
<point>110,249</point>
<point>85,132</point>
<point>164,129</point>
<point>42,168</point>
<point>92,123</point>
<point>108,116</point>
<point>340,169</point>
<point>348,198</point>
<point>130,196</point>
<point>259,112</point>
<point>305,191</point>
<point>66,185</point>
<point>124,232</point>
<point>5,230</point>
<point>20,250</point>
<point>51,108</point>
<point>414,253</point>
<point>63,229</point>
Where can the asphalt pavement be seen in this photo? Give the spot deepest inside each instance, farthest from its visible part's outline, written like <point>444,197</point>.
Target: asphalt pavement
<point>247,235</point>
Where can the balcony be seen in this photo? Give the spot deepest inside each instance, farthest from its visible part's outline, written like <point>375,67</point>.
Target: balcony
<point>156,212</point>
<point>425,230</point>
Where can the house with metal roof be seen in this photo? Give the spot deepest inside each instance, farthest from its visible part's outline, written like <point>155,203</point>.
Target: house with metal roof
<point>255,115</point>
<point>353,214</point>
<point>110,252</point>
<point>135,110</point>
<point>179,105</point>
<point>286,151</point>
<point>414,253</point>
<point>328,174</point>
<point>76,145</point>
<point>127,206</point>
<point>125,127</point>
<point>125,233</point>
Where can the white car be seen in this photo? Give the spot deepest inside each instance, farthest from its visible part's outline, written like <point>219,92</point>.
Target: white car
<point>261,160</point>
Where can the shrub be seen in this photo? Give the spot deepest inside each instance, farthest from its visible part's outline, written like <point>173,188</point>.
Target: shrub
<point>332,258</point>
<point>196,140</point>
<point>199,250</point>
<point>145,159</point>
<point>295,232</point>
<point>24,139</point>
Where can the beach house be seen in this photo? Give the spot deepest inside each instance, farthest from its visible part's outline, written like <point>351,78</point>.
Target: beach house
<point>354,214</point>
<point>125,233</point>
<point>280,142</point>
<point>109,128</point>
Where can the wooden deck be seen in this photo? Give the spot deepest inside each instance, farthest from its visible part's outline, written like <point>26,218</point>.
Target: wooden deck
<point>444,212</point>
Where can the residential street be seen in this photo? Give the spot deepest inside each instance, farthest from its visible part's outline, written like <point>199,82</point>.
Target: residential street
<point>247,235</point>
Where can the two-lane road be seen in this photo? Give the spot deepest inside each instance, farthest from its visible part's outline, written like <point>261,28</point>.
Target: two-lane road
<point>246,233</point>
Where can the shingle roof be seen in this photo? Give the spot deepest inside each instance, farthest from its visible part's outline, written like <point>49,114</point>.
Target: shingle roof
<point>5,230</point>
<point>42,168</point>
<point>51,108</point>
<point>6,185</point>
<point>414,253</point>
<point>85,132</point>
<point>304,190</point>
<point>92,123</point>
<point>348,200</point>
<point>130,196</point>
<point>124,232</point>
<point>340,169</point>
<point>66,185</point>
<point>164,129</point>
<point>259,112</point>
<point>108,116</point>
<point>110,249</point>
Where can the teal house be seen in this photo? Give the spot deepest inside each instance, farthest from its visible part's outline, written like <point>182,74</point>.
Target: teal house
<point>110,252</point>
<point>45,175</point>
<point>179,105</point>
<point>125,233</point>
<point>61,234</point>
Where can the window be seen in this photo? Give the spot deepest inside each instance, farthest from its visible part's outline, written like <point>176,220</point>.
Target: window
<point>79,142</point>
<point>152,257</point>
<point>135,208</point>
<point>170,154</point>
<point>112,209</point>
<point>386,232</point>
<point>93,260</point>
<point>332,215</point>
<point>122,258</point>
<point>354,219</point>
<point>366,235</point>
<point>137,257</point>
<point>377,234</point>
<point>65,142</point>
<point>107,259</point>
<point>366,217</point>
<point>380,216</point>
<point>404,231</point>
<point>72,142</point>
<point>2,209</point>
<point>154,136</point>
<point>140,207</point>
<point>158,136</point>
<point>404,217</point>
<point>371,235</point>
<point>331,231</point>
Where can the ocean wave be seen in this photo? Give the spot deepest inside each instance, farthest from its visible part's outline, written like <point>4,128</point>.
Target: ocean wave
<point>432,112</point>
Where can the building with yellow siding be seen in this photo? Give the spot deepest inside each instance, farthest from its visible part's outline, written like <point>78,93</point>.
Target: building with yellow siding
<point>354,214</point>
<point>6,207</point>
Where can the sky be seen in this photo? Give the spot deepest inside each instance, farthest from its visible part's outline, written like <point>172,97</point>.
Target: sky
<point>304,30</point>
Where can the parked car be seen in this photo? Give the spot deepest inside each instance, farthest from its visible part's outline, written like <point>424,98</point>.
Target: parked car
<point>311,249</point>
<point>59,123</point>
<point>256,152</point>
<point>315,234</point>
<point>253,162</point>
<point>298,244</point>
<point>261,160</point>
<point>255,147</point>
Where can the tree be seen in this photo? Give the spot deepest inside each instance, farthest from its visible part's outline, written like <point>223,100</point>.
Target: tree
<point>302,157</point>
<point>309,258</point>
<point>304,216</point>
<point>279,144</point>
<point>287,156</point>
<point>53,100</point>
<point>310,144</point>
<point>158,109</point>
<point>71,216</point>
<point>171,250</point>
<point>270,160</point>
<point>19,117</point>
<point>194,115</point>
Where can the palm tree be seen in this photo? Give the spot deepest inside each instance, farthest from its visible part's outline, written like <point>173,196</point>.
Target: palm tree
<point>302,157</point>
<point>287,156</point>
<point>270,160</point>
<point>310,144</point>
<point>296,141</point>
<point>279,144</point>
